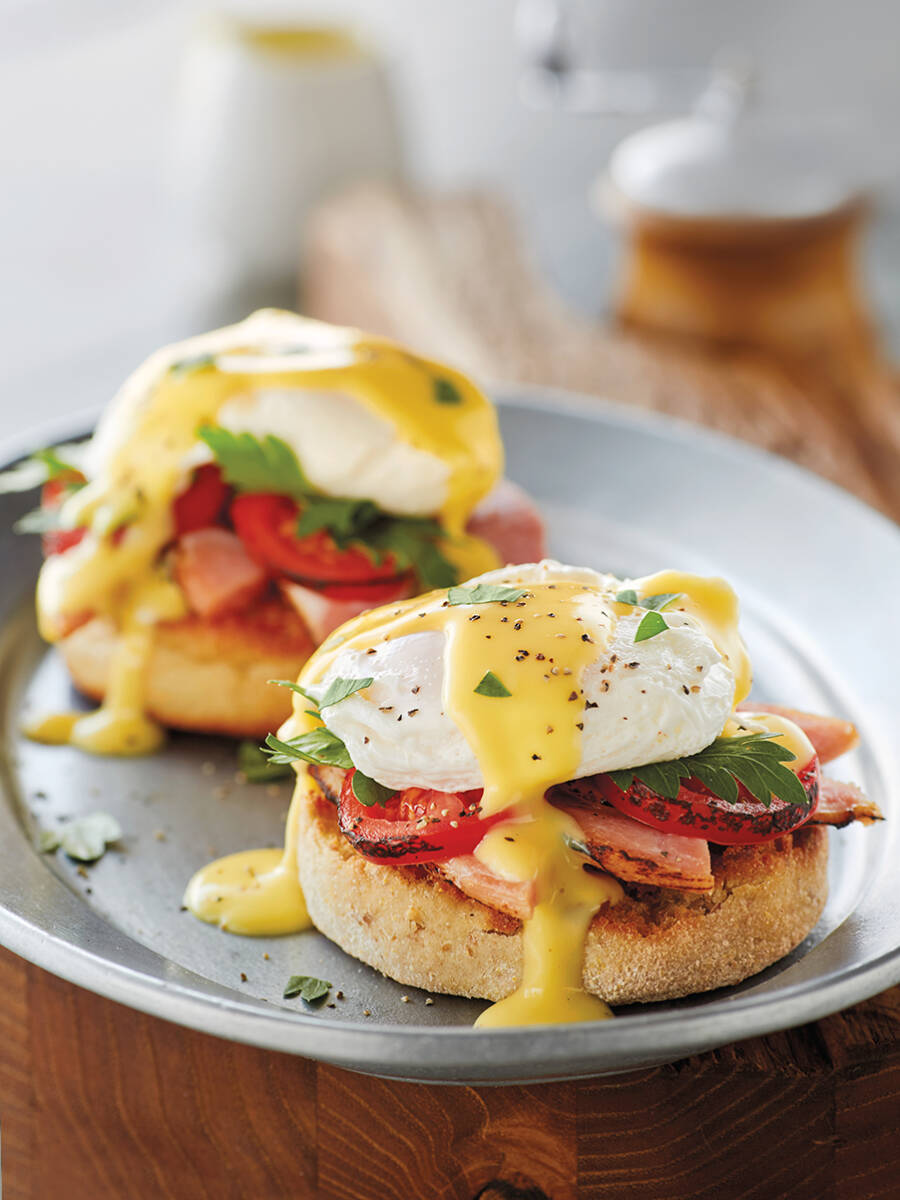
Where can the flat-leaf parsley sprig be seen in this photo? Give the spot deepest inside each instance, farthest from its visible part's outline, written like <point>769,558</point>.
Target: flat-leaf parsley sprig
<point>324,748</point>
<point>251,464</point>
<point>754,760</point>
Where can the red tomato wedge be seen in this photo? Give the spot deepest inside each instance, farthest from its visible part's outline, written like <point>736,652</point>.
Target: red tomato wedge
<point>416,825</point>
<point>58,541</point>
<point>698,812</point>
<point>201,503</point>
<point>216,573</point>
<point>266,522</point>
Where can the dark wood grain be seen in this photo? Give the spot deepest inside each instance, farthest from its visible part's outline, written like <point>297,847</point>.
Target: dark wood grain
<point>125,1105</point>
<point>99,1101</point>
<point>16,1076</point>
<point>381,1139</point>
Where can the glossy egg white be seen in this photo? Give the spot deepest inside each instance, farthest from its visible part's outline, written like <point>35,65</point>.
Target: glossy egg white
<point>344,449</point>
<point>675,702</point>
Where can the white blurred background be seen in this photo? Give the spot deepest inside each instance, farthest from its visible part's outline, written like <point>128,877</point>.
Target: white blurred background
<point>100,264</point>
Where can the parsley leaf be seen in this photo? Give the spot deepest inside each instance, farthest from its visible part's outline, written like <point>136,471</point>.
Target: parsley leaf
<point>295,687</point>
<point>753,760</point>
<point>446,392</point>
<point>318,746</point>
<point>39,520</point>
<point>490,685</point>
<point>40,468</point>
<point>253,464</point>
<point>307,987</point>
<point>85,839</point>
<point>659,601</point>
<point>485,593</point>
<point>199,362</point>
<point>369,791</point>
<point>655,602</point>
<point>344,519</point>
<point>414,543</point>
<point>257,767</point>
<point>339,689</point>
<point>651,624</point>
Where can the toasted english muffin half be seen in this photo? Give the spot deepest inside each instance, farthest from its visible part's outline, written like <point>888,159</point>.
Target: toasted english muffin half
<point>205,675</point>
<point>656,944</point>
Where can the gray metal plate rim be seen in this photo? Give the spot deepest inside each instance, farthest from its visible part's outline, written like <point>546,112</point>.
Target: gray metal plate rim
<point>653,1036</point>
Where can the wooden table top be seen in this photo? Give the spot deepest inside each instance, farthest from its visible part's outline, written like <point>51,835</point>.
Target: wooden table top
<point>98,1101</point>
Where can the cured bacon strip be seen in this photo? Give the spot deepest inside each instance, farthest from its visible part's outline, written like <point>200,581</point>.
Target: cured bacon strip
<point>638,853</point>
<point>841,803</point>
<point>216,573</point>
<point>322,614</point>
<point>830,736</point>
<point>472,877</point>
<point>509,521</point>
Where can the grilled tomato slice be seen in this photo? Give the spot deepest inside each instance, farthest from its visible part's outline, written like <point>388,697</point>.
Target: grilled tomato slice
<point>266,523</point>
<point>416,825</point>
<point>698,812</point>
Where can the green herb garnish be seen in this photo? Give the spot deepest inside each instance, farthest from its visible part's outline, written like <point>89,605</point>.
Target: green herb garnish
<point>659,601</point>
<point>485,593</point>
<point>753,760</point>
<point>651,624</point>
<point>42,467</point>
<point>199,362</point>
<point>319,746</point>
<point>251,464</point>
<point>339,689</point>
<point>343,519</point>
<point>369,791</point>
<point>414,542</point>
<point>575,845</point>
<point>38,520</point>
<point>85,839</point>
<point>255,765</point>
<point>307,987</point>
<point>490,685</point>
<point>629,596</point>
<point>446,391</point>
<point>655,602</point>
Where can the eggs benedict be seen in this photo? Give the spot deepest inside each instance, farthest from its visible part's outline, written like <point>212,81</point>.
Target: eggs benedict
<point>246,492</point>
<point>545,788</point>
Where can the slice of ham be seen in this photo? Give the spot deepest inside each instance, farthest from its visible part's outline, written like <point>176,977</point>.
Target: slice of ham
<point>830,736</point>
<point>630,851</point>
<point>323,614</point>
<point>510,522</point>
<point>640,854</point>
<point>840,803</point>
<point>216,573</point>
<point>478,881</point>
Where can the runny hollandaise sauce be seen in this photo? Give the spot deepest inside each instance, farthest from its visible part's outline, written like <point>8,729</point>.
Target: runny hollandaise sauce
<point>513,685</point>
<point>148,438</point>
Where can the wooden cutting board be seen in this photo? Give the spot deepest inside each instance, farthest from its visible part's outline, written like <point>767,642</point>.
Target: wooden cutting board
<point>99,1101</point>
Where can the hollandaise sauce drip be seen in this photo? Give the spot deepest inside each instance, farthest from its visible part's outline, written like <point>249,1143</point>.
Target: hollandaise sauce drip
<point>148,437</point>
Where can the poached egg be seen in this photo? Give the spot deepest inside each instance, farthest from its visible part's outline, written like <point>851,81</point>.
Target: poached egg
<point>648,701</point>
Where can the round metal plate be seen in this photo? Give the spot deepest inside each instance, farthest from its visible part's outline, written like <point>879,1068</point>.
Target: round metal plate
<point>818,573</point>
